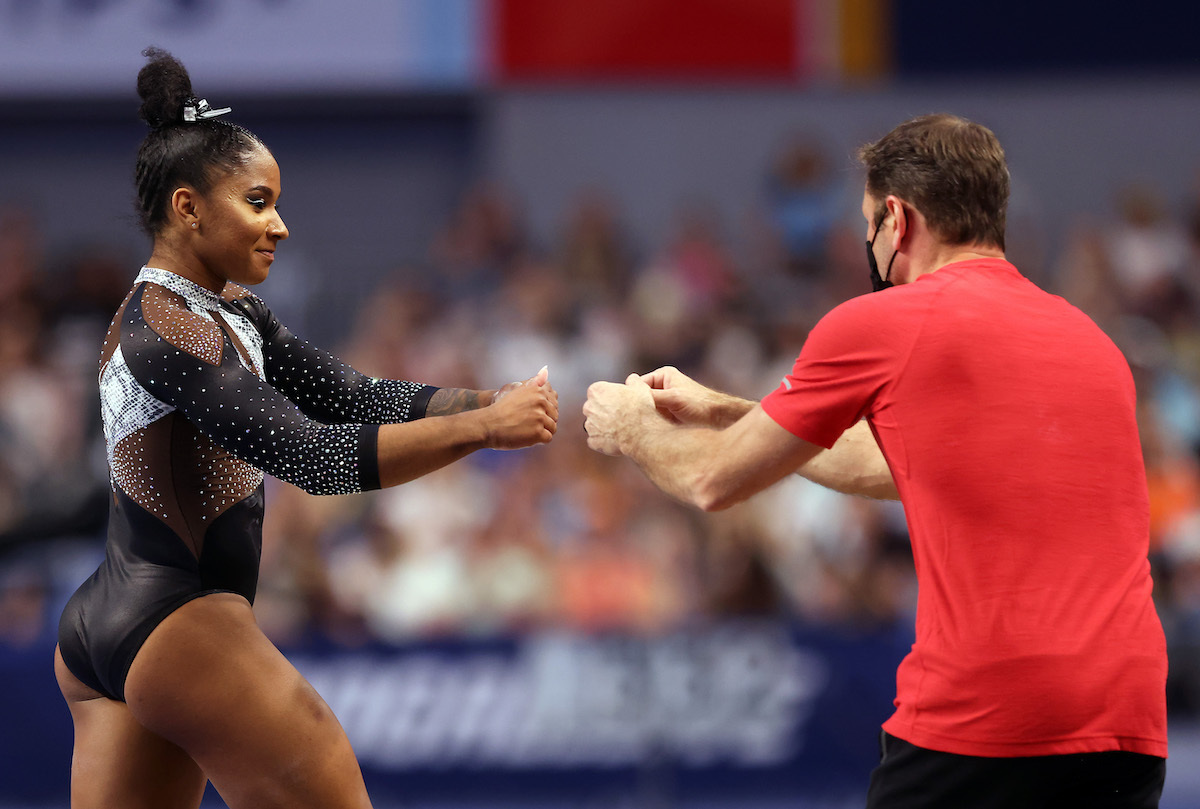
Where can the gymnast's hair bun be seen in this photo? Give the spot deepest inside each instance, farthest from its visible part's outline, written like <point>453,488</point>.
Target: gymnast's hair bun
<point>164,87</point>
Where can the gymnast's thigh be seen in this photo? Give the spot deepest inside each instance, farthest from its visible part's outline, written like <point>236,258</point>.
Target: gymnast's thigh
<point>117,762</point>
<point>209,680</point>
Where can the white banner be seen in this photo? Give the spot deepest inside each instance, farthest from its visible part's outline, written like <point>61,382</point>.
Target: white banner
<point>64,48</point>
<point>734,695</point>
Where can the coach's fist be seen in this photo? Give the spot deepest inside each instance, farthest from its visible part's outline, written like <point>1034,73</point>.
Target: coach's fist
<point>614,413</point>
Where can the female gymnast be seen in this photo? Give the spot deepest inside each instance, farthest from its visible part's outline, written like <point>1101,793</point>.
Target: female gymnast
<point>169,680</point>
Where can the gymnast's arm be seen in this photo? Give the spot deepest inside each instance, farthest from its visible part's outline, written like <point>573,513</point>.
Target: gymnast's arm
<point>200,376</point>
<point>331,391</point>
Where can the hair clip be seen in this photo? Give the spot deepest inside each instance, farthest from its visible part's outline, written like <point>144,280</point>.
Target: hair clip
<point>199,110</point>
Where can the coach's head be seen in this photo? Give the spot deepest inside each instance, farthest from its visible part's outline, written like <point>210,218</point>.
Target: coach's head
<point>937,190</point>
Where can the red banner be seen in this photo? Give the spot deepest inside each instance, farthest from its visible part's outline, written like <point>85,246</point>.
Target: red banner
<point>647,39</point>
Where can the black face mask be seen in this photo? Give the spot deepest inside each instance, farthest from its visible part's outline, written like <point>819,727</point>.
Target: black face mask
<point>877,282</point>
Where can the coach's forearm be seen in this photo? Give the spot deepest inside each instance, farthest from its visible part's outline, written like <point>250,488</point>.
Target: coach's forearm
<point>855,465</point>
<point>680,461</point>
<point>727,408</point>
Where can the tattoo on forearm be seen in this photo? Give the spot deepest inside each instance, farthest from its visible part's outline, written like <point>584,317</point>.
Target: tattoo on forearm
<point>446,401</point>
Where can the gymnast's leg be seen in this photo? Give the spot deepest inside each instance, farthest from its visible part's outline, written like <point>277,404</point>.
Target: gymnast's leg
<point>210,681</point>
<point>117,762</point>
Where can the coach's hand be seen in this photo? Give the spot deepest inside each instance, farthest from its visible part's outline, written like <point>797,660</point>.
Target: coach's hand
<point>614,414</point>
<point>683,400</point>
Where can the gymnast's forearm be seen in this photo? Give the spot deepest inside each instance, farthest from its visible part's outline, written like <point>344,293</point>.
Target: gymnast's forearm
<point>527,414</point>
<point>448,401</point>
<point>412,449</point>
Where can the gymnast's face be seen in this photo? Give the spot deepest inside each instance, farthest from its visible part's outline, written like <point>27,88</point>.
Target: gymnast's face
<point>240,225</point>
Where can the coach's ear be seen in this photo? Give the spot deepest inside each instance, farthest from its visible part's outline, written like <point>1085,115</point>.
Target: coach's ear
<point>900,215</point>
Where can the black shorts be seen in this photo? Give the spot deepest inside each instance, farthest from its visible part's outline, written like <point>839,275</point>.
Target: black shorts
<point>911,777</point>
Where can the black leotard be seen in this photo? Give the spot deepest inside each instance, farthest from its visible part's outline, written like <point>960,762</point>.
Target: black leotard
<point>201,394</point>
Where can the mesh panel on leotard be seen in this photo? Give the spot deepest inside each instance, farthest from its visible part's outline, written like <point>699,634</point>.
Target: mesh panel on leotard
<point>190,332</point>
<point>324,387</point>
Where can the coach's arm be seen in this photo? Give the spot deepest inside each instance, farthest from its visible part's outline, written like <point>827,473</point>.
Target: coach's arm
<point>713,449</point>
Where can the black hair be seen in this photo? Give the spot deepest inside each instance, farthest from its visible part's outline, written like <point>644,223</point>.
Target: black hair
<point>179,152</point>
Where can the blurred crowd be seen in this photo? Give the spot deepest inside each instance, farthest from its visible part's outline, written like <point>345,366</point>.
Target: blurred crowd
<point>559,536</point>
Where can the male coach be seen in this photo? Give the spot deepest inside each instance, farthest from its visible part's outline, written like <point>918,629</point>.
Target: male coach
<point>1003,419</point>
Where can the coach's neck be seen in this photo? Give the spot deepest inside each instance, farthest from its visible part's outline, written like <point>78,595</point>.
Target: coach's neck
<point>926,252</point>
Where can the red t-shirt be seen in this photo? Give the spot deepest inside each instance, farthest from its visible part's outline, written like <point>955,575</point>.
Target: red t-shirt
<point>1007,418</point>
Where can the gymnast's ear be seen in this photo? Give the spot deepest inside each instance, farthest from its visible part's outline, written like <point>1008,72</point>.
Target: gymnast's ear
<point>185,204</point>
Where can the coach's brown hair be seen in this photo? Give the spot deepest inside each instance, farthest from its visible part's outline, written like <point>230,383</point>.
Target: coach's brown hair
<point>951,169</point>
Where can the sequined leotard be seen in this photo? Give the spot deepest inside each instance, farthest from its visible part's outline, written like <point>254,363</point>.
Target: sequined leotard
<point>201,394</point>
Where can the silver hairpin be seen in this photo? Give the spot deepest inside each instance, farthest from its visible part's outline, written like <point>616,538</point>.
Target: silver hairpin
<point>201,111</point>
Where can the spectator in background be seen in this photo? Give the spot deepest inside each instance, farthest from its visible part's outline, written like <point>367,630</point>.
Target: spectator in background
<point>803,205</point>
<point>472,252</point>
<point>1149,254</point>
<point>47,427</point>
<point>20,260</point>
<point>594,256</point>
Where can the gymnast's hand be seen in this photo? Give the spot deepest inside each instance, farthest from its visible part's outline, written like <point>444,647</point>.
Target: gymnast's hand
<point>522,413</point>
